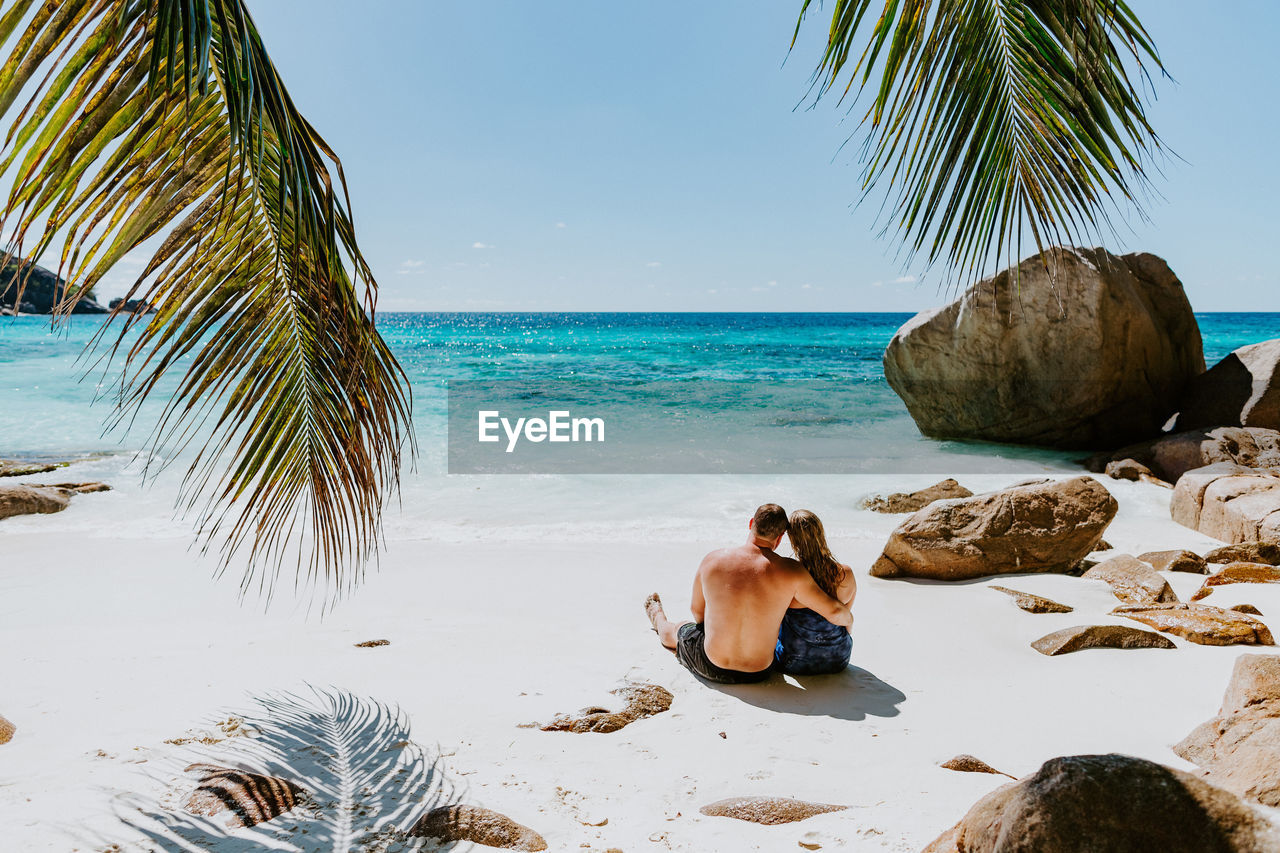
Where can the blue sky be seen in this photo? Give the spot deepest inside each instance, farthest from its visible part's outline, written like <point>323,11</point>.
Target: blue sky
<point>591,155</point>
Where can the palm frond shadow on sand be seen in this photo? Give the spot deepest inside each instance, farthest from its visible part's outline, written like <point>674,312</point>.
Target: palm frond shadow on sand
<point>366,782</point>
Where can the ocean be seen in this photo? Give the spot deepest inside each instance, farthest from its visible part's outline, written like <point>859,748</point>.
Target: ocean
<point>54,401</point>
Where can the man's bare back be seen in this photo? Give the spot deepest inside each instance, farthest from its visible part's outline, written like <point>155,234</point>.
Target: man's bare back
<point>739,598</point>
<point>744,593</point>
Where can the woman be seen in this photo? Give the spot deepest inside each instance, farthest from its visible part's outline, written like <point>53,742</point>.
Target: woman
<point>807,643</point>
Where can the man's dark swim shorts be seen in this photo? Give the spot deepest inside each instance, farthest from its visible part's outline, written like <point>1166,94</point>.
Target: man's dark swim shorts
<point>690,652</point>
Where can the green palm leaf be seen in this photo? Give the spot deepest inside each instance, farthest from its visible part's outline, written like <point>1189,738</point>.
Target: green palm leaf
<point>165,120</point>
<point>990,117</point>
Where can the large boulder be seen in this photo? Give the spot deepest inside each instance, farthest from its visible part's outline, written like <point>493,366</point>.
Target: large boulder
<point>1112,803</point>
<point>35,498</point>
<point>1229,502</point>
<point>1240,748</point>
<point>1073,348</point>
<point>1241,390</point>
<point>42,291</point>
<point>1171,456</point>
<point>1038,527</point>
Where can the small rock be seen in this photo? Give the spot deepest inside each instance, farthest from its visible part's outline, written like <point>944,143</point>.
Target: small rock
<point>642,700</point>
<point>1132,581</point>
<point>1179,560</point>
<point>478,826</point>
<point>370,644</point>
<point>6,730</point>
<point>1099,637</point>
<point>1103,545</point>
<point>251,797</point>
<point>1246,552</point>
<point>1247,608</point>
<point>767,810</point>
<point>40,498</point>
<point>1238,573</point>
<point>1127,469</point>
<point>912,501</point>
<point>1200,623</point>
<point>812,840</point>
<point>1033,603</point>
<point>969,764</point>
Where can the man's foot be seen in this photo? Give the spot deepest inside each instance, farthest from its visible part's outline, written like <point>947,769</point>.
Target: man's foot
<point>653,609</point>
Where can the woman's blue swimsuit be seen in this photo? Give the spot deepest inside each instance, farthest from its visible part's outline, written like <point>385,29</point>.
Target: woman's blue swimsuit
<point>810,645</point>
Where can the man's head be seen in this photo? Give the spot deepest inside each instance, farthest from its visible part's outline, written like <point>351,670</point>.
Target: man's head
<point>769,523</point>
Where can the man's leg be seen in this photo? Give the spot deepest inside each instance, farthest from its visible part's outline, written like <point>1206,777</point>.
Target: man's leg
<point>668,631</point>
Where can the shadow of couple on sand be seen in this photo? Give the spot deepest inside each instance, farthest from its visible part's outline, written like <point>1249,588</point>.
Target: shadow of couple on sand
<point>852,694</point>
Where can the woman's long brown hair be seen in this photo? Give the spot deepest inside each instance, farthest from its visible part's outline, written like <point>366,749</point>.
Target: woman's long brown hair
<point>809,541</point>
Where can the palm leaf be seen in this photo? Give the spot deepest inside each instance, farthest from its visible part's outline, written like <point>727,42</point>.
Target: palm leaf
<point>165,121</point>
<point>992,117</point>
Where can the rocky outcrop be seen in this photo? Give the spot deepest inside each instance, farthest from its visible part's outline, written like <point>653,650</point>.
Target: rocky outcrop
<point>1246,608</point>
<point>1112,803</point>
<point>250,797</point>
<point>1178,560</point>
<point>1238,573</point>
<point>131,306</point>
<point>767,810</point>
<point>900,502</point>
<point>642,700</point>
<point>1083,637</point>
<point>1075,348</point>
<point>456,824</point>
<point>42,291</point>
<point>1033,603</point>
<point>1171,456</point>
<point>1241,390</point>
<point>965,763</point>
<point>1047,526</point>
<point>6,730</point>
<point>35,498</point>
<point>13,468</point>
<point>1200,623</point>
<point>1229,502</point>
<point>1132,581</point>
<point>1240,748</point>
<point>1246,552</point>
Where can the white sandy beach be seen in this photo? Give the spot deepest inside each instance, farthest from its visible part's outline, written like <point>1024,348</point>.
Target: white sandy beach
<point>114,645</point>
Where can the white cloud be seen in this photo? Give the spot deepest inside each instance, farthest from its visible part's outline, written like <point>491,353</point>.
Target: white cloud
<point>773,284</point>
<point>758,289</point>
<point>654,264</point>
<point>807,286</point>
<point>877,284</point>
<point>905,279</point>
<point>561,225</point>
<point>479,245</point>
<point>713,290</point>
<point>411,267</point>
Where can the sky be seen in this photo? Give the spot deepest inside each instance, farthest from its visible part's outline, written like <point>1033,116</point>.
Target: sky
<point>601,156</point>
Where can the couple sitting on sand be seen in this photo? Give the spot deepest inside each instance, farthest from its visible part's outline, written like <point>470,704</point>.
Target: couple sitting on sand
<point>758,612</point>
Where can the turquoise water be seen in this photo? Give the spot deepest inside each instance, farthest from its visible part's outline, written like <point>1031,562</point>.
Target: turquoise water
<point>48,391</point>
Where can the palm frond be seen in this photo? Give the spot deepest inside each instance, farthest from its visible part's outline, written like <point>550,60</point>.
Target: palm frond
<point>990,117</point>
<point>165,121</point>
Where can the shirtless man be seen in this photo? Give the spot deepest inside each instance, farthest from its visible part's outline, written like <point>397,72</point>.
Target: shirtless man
<point>739,597</point>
